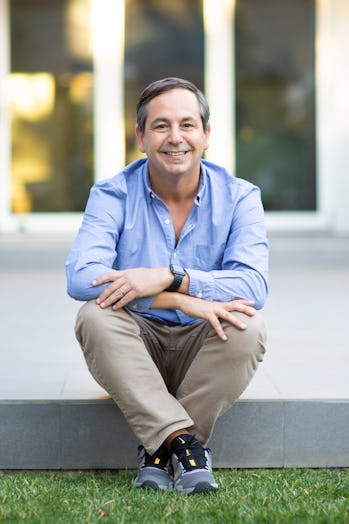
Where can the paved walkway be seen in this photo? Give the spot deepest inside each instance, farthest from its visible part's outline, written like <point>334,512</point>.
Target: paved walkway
<point>307,316</point>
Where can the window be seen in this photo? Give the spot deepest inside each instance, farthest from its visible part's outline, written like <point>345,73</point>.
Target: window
<point>275,100</point>
<point>50,100</point>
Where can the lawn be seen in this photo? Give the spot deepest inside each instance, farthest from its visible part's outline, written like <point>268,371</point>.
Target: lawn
<point>245,496</point>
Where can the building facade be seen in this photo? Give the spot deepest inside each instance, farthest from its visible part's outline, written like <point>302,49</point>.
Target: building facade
<point>274,71</point>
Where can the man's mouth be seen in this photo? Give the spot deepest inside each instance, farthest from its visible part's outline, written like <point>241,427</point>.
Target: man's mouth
<point>175,153</point>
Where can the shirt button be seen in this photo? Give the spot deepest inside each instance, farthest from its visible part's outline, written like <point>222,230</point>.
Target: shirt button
<point>134,307</point>
<point>174,255</point>
<point>167,221</point>
<point>199,295</point>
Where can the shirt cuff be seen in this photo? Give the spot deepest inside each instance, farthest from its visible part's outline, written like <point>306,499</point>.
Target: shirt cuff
<point>201,284</point>
<point>140,304</point>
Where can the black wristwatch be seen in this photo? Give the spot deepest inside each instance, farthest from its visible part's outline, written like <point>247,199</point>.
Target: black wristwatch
<point>178,275</point>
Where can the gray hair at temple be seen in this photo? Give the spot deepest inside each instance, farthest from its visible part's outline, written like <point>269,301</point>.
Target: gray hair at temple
<point>166,84</point>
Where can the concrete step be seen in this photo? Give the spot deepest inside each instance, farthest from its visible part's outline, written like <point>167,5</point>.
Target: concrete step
<point>89,434</point>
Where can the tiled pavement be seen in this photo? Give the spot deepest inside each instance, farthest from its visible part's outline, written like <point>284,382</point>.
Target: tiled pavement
<point>295,411</point>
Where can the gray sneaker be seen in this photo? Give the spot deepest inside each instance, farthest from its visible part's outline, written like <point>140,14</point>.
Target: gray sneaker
<point>153,470</point>
<point>191,465</point>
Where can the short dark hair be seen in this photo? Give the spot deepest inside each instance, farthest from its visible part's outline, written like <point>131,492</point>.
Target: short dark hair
<point>166,84</point>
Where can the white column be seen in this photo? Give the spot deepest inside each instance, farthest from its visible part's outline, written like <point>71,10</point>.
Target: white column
<point>340,169</point>
<point>220,80</point>
<point>108,50</point>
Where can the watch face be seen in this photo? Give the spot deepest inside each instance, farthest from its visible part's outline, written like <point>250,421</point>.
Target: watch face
<point>177,269</point>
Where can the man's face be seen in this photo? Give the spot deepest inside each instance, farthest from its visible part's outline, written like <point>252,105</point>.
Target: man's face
<point>174,139</point>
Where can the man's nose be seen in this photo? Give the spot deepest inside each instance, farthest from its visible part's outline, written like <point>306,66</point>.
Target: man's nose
<point>175,135</point>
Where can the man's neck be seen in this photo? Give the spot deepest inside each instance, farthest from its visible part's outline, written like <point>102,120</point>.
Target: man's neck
<point>175,189</point>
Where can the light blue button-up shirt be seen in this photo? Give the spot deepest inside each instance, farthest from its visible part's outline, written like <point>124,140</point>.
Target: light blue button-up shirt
<point>222,246</point>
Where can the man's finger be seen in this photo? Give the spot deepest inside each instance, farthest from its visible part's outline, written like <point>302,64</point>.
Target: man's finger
<point>107,277</point>
<point>217,326</point>
<point>243,301</point>
<point>241,308</point>
<point>114,292</point>
<point>235,321</point>
<point>131,295</point>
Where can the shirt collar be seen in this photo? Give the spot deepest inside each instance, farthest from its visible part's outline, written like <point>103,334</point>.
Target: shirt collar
<point>150,193</point>
<point>202,185</point>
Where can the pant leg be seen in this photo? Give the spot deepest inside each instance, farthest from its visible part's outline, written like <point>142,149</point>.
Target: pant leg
<point>220,372</point>
<point>119,361</point>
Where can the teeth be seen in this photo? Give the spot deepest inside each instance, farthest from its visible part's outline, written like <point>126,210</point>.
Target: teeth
<point>177,153</point>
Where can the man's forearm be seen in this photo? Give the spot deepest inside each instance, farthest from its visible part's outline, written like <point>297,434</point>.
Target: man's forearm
<point>167,300</point>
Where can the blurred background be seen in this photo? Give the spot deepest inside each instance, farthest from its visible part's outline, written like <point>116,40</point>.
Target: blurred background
<point>274,71</point>
<point>276,75</point>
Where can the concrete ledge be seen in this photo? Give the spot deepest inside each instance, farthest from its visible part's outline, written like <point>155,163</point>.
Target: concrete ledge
<point>92,434</point>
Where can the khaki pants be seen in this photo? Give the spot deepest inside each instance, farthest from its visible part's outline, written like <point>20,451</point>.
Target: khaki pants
<point>168,378</point>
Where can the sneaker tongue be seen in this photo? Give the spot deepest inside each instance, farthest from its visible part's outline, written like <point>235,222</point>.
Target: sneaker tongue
<point>158,460</point>
<point>189,451</point>
<point>183,440</point>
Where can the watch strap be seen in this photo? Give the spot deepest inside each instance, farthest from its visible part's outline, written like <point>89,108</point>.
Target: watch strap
<point>178,275</point>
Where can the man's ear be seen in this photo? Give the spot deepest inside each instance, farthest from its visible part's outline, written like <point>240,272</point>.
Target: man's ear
<point>139,136</point>
<point>207,135</point>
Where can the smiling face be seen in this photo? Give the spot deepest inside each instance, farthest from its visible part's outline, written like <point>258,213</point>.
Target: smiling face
<point>174,138</point>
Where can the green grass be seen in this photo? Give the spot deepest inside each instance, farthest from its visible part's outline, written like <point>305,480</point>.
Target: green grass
<point>245,496</point>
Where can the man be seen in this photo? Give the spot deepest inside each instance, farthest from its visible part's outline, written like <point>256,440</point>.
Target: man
<point>171,259</point>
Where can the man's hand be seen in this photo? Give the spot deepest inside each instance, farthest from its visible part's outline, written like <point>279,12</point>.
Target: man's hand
<point>128,284</point>
<point>213,311</point>
<point>209,310</point>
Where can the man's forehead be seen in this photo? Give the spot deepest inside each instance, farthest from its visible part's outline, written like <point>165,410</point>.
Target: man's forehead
<point>175,98</point>
<point>181,102</point>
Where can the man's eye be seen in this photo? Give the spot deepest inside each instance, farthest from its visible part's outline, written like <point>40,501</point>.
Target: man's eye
<point>187,125</point>
<point>161,126</point>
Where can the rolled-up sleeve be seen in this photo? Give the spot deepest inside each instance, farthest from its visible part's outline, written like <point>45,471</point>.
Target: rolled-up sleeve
<point>94,250</point>
<point>244,267</point>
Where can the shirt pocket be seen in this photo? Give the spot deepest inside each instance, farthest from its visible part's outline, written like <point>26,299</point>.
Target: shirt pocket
<point>209,257</point>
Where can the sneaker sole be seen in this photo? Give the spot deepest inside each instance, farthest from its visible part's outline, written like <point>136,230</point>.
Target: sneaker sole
<point>149,484</point>
<point>200,487</point>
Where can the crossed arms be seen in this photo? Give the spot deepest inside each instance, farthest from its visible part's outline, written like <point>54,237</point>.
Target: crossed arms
<point>143,282</point>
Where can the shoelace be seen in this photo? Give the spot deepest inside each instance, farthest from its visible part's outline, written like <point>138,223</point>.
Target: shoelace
<point>158,460</point>
<point>192,455</point>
